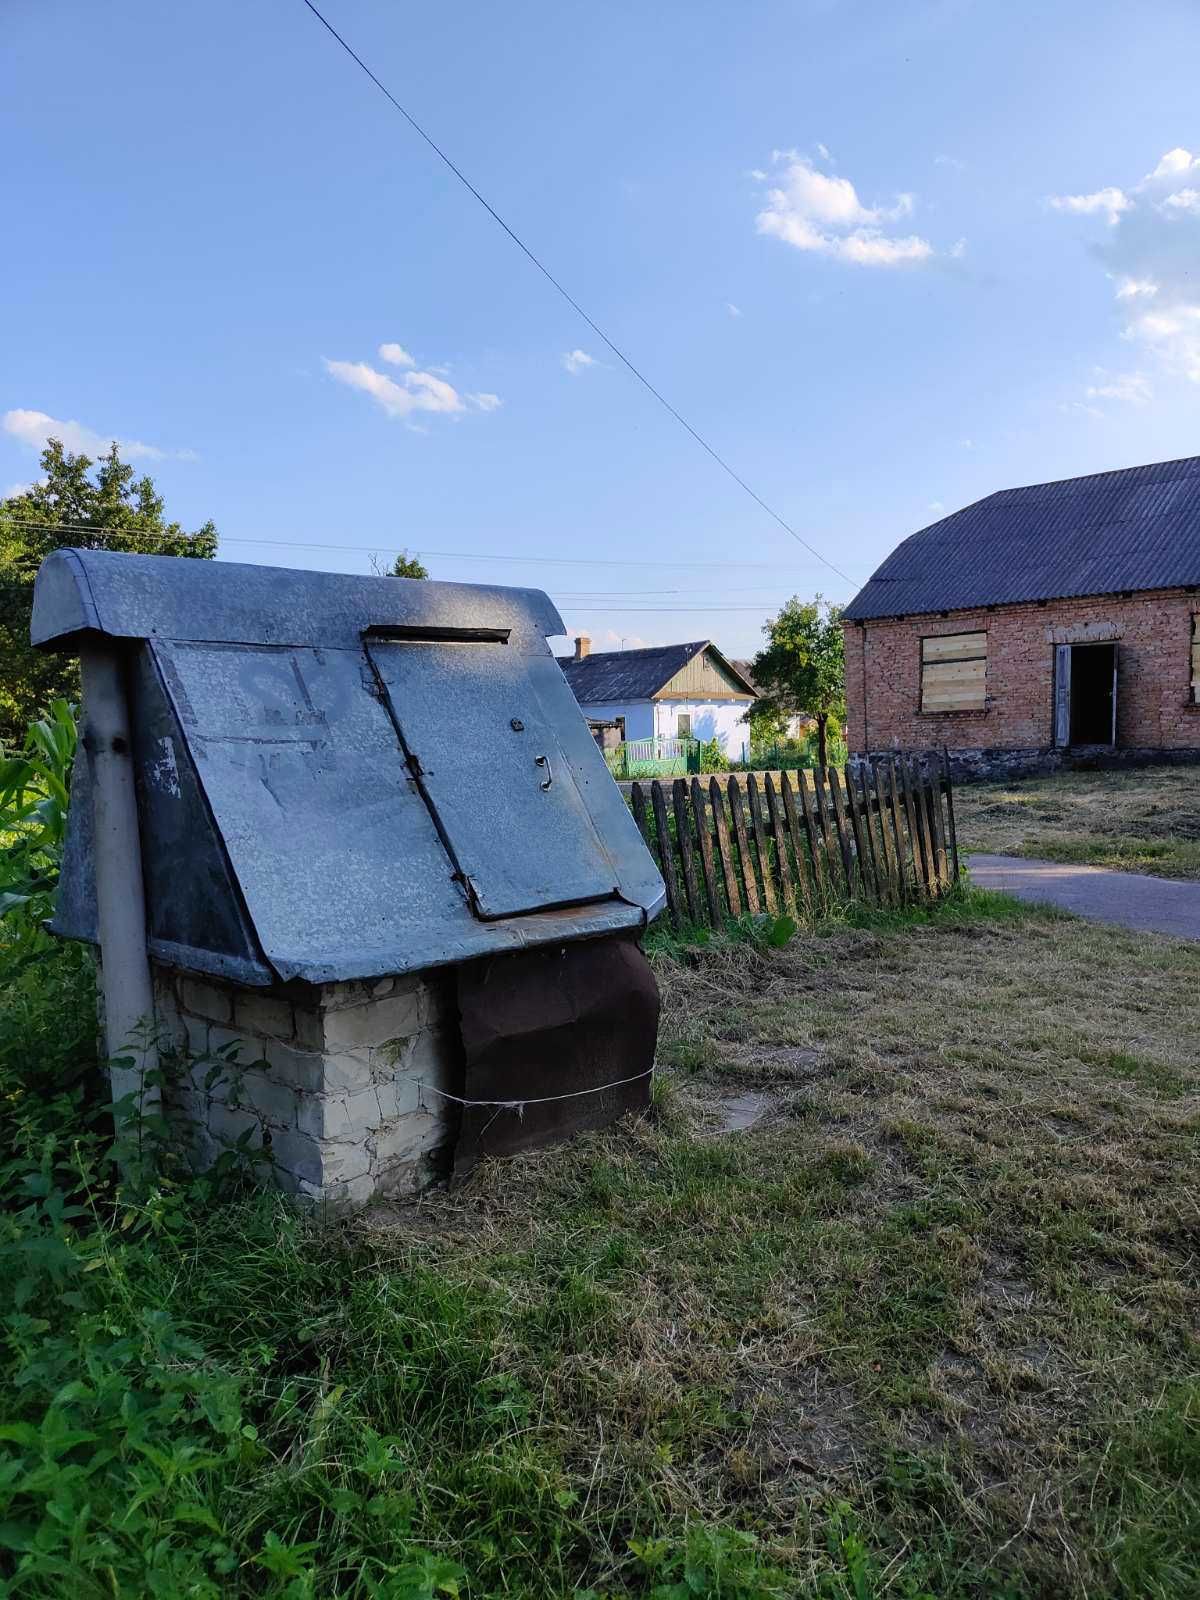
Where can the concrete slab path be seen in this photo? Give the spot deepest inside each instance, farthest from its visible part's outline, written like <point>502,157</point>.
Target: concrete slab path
<point>1132,899</point>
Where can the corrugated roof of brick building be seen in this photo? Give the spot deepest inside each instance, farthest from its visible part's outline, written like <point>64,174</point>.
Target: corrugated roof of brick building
<point>1111,532</point>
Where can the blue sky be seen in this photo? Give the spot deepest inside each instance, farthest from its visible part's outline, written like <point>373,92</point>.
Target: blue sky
<point>886,258</point>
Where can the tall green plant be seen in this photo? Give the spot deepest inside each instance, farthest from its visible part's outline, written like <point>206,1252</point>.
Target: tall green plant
<point>34,792</point>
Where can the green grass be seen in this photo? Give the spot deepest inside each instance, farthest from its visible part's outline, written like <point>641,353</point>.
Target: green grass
<point>927,1329</point>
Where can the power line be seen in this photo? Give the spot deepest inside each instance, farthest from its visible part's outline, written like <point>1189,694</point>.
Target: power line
<point>373,549</point>
<point>571,301</point>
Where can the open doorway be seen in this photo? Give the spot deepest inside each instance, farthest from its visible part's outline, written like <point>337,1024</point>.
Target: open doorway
<point>1085,694</point>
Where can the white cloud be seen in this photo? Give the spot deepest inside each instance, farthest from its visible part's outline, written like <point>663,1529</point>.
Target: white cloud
<point>486,402</point>
<point>395,355</point>
<point>958,249</point>
<point>950,161</point>
<point>734,311</point>
<point>1111,201</point>
<point>823,152</point>
<point>416,391</point>
<point>812,211</point>
<point>577,360</point>
<point>1150,254</point>
<point>15,489</point>
<point>1132,387</point>
<point>1174,163</point>
<point>936,508</point>
<point>1136,288</point>
<point>35,427</point>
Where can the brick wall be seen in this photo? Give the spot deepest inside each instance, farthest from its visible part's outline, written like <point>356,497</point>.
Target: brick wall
<point>1153,633</point>
<point>332,1083</point>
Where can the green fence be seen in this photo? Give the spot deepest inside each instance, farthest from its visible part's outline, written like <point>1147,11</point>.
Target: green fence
<point>654,758</point>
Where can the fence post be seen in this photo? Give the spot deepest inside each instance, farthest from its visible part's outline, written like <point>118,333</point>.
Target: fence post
<point>683,837</point>
<point>818,842</point>
<point>717,794</point>
<point>745,863</point>
<point>949,782</point>
<point>889,860</point>
<point>901,869</point>
<point>638,802</point>
<point>916,825</point>
<point>839,814</point>
<point>804,896</point>
<point>704,835</point>
<point>933,794</point>
<point>787,892</point>
<point>666,856</point>
<point>760,844</point>
<point>869,831</point>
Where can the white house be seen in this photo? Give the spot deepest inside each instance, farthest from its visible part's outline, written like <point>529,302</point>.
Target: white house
<point>673,691</point>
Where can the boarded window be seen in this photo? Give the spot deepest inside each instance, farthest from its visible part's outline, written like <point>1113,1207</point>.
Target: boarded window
<point>954,672</point>
<point>683,725</point>
<point>1195,659</point>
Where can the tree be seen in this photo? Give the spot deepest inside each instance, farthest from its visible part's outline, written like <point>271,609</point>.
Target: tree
<point>70,507</point>
<point>406,566</point>
<point>802,668</point>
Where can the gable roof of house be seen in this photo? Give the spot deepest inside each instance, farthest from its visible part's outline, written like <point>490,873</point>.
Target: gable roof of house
<point>1138,528</point>
<point>621,675</point>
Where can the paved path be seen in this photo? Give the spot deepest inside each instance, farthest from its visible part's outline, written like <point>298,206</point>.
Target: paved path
<point>1152,905</point>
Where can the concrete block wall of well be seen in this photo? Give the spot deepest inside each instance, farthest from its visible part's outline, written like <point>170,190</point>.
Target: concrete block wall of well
<point>336,1081</point>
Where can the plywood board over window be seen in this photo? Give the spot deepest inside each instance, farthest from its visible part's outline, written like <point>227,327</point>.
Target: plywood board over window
<point>954,672</point>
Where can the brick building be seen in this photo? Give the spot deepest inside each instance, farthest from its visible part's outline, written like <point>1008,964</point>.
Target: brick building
<point>1038,627</point>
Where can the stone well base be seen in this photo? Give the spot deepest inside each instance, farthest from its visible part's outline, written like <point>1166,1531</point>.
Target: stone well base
<point>334,1082</point>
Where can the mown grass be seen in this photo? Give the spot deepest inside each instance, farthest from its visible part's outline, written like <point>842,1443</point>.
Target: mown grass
<point>1147,820</point>
<point>928,1328</point>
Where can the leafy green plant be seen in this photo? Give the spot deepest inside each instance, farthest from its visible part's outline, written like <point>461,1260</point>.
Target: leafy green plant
<point>34,787</point>
<point>710,1562</point>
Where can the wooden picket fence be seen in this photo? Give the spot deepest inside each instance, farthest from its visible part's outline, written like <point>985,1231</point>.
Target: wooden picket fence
<point>881,833</point>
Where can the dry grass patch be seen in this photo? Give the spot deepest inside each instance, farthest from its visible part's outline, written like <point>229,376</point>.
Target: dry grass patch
<point>927,1328</point>
<point>1139,821</point>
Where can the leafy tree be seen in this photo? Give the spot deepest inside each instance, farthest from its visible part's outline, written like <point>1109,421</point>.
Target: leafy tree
<point>406,566</point>
<point>72,506</point>
<point>802,668</point>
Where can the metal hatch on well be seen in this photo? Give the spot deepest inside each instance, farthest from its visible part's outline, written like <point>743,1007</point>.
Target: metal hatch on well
<point>492,770</point>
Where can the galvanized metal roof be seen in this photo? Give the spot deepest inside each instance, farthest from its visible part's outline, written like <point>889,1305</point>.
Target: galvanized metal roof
<point>344,777</point>
<point>148,597</point>
<point>616,676</point>
<point>1135,529</point>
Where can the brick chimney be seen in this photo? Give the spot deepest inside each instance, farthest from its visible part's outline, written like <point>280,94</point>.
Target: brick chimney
<point>583,647</point>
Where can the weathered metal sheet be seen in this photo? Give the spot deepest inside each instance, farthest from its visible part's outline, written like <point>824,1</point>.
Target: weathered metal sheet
<point>639,879</point>
<point>494,773</point>
<point>147,597</point>
<point>1134,529</point>
<point>567,1034</point>
<point>194,913</point>
<point>285,833</point>
<point>336,854</point>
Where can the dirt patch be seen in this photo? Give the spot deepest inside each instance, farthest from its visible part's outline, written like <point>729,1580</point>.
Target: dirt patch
<point>803,1423</point>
